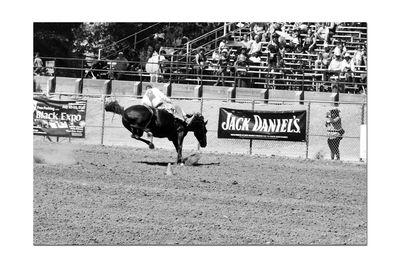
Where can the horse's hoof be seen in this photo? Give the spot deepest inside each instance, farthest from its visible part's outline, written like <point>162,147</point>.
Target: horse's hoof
<point>151,146</point>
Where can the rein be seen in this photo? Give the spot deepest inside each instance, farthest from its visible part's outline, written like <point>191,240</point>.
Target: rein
<point>151,118</point>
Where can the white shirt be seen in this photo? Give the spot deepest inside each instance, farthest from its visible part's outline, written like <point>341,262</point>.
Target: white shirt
<point>154,97</point>
<point>336,65</point>
<point>349,65</point>
<point>255,47</point>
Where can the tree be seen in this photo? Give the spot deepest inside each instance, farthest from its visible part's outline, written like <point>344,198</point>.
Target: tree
<point>90,37</point>
<point>53,39</point>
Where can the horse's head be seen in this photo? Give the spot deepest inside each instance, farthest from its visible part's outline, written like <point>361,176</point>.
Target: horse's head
<point>111,105</point>
<point>198,126</point>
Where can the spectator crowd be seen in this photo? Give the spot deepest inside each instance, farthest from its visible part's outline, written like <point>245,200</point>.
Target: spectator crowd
<point>251,44</point>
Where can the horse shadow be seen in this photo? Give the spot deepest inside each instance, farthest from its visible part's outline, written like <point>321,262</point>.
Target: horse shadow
<point>164,164</point>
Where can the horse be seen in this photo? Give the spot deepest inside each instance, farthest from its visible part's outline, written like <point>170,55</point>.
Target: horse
<point>161,123</point>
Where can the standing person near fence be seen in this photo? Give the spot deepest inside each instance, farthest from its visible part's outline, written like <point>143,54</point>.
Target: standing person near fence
<point>335,132</point>
<point>37,64</point>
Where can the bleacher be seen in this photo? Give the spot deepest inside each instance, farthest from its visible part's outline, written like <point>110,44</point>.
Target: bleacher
<point>298,69</point>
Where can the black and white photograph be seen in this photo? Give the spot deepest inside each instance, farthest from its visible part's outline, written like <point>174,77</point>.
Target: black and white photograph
<point>213,133</point>
<point>200,133</point>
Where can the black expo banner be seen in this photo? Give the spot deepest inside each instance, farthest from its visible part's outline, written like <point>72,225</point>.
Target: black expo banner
<point>271,125</point>
<point>63,118</point>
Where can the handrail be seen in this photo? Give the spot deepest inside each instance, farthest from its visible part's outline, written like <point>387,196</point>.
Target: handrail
<point>209,33</point>
<point>189,44</point>
<point>129,36</point>
<point>262,77</point>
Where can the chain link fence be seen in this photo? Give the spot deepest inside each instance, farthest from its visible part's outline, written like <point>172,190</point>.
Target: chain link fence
<point>106,128</point>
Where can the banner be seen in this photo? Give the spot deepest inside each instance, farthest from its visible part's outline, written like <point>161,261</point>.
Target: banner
<point>63,118</point>
<point>270,125</point>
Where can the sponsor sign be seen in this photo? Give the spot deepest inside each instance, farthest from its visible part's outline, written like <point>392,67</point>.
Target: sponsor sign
<point>63,118</point>
<point>269,125</point>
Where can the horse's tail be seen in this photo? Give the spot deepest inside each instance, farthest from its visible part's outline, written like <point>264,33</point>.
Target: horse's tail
<point>114,107</point>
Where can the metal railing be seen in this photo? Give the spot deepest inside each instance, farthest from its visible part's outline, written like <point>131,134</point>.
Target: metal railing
<point>253,76</point>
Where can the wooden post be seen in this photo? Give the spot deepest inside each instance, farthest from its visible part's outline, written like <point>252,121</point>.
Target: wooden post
<point>78,86</point>
<point>103,100</point>
<point>51,85</point>
<point>198,91</point>
<point>335,98</point>
<point>251,140</point>
<point>107,88</point>
<point>308,129</point>
<point>231,94</point>
<point>168,89</point>
<point>300,97</point>
<point>137,88</point>
<point>265,95</point>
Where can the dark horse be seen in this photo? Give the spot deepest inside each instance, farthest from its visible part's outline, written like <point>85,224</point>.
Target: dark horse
<point>139,118</point>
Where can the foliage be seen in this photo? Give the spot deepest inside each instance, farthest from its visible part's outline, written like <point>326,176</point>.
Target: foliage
<point>90,37</point>
<point>53,39</point>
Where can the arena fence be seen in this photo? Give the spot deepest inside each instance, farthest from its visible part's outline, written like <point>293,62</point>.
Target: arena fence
<point>106,128</point>
<point>256,75</point>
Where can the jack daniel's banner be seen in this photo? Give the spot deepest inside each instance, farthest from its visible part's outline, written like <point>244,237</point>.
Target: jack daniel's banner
<point>271,125</point>
<point>63,118</point>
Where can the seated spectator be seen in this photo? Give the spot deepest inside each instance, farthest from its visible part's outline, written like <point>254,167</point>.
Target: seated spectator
<point>326,58</point>
<point>335,68</point>
<point>258,29</point>
<point>336,64</point>
<point>223,44</point>
<point>37,64</point>
<point>348,68</point>
<point>295,42</point>
<point>322,32</point>
<point>151,52</point>
<point>134,57</point>
<point>273,27</point>
<point>318,62</point>
<point>215,56</point>
<point>340,49</point>
<point>120,66</point>
<point>255,50</point>
<point>241,67</point>
<point>281,55</point>
<point>185,39</point>
<point>246,41</point>
<point>201,61</point>
<point>273,51</point>
<point>97,70</point>
<point>163,63</point>
<point>359,56</point>
<point>222,70</point>
<point>309,42</point>
<point>177,42</point>
<point>332,31</point>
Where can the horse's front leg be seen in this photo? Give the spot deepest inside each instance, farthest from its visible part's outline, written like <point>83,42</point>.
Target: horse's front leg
<point>137,133</point>
<point>178,146</point>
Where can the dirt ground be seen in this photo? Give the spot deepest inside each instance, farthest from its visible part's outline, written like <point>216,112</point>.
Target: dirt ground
<point>112,195</point>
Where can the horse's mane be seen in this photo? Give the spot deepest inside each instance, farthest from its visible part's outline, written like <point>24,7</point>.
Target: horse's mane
<point>196,119</point>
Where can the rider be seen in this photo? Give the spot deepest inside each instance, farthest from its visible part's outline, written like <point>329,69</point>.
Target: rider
<point>153,97</point>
